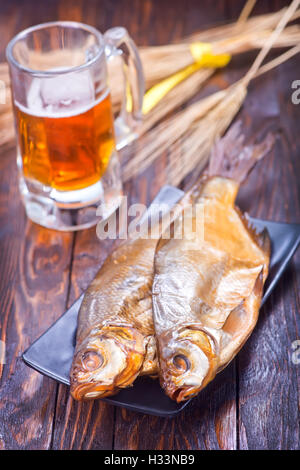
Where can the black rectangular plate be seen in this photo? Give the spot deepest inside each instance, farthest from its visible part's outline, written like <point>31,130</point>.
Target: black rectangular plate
<point>52,353</point>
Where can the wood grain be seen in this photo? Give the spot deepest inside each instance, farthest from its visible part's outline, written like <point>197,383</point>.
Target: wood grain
<point>88,425</point>
<point>35,265</point>
<point>268,380</point>
<point>254,403</point>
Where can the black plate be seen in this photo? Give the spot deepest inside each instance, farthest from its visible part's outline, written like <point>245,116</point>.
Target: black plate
<point>52,353</point>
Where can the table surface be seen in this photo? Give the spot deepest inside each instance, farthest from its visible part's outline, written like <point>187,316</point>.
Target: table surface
<point>254,402</point>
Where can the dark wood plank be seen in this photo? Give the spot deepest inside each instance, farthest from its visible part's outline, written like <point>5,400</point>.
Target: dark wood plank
<point>35,266</point>
<point>88,425</point>
<point>200,427</point>
<point>83,425</point>
<point>208,422</point>
<point>268,380</point>
<point>39,278</point>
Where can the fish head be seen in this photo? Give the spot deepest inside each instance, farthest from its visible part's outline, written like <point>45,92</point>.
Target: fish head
<point>188,361</point>
<point>108,359</point>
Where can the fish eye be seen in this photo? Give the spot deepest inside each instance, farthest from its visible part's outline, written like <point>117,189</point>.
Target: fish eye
<point>91,360</point>
<point>181,362</point>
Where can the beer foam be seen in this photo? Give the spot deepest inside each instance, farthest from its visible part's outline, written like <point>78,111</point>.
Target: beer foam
<point>61,96</point>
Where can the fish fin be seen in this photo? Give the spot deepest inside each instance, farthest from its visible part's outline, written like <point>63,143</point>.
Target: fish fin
<point>230,158</point>
<point>262,239</point>
<point>241,322</point>
<point>264,242</point>
<point>258,286</point>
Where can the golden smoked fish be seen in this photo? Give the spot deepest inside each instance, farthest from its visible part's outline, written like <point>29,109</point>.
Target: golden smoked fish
<point>115,328</point>
<point>208,283</point>
<point>115,335</point>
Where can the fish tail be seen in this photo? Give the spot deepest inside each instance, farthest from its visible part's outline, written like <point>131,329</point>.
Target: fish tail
<point>231,158</point>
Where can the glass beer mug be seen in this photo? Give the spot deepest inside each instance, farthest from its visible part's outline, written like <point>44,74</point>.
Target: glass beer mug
<point>68,165</point>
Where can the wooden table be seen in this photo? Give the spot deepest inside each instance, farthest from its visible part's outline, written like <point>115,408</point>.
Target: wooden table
<point>254,403</point>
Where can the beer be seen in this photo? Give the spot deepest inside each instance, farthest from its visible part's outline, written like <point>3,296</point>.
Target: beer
<point>63,148</point>
<point>69,172</point>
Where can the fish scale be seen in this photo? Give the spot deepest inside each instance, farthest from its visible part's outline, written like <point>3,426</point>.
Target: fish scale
<point>200,327</point>
<point>203,295</point>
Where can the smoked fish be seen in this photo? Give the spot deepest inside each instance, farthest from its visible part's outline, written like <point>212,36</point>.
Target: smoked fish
<point>204,300</point>
<point>115,335</point>
<point>208,283</point>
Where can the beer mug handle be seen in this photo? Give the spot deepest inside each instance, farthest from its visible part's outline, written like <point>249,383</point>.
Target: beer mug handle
<point>118,43</point>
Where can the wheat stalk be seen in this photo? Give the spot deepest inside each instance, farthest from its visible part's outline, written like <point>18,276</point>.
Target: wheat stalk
<point>202,135</point>
<point>195,129</point>
<point>196,146</point>
<point>191,85</point>
<point>161,61</point>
